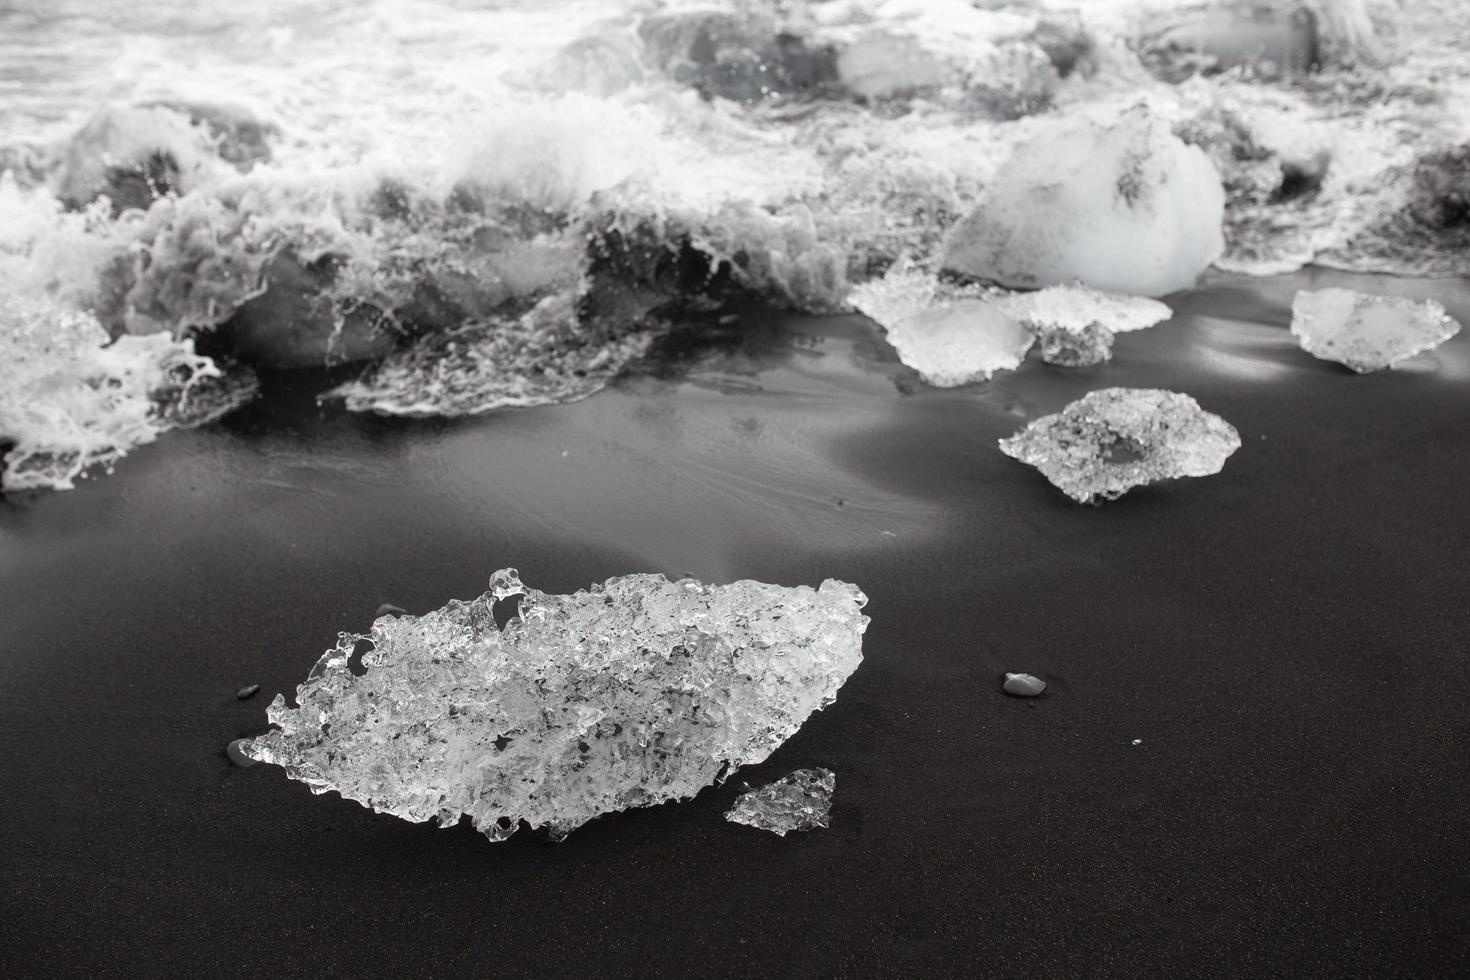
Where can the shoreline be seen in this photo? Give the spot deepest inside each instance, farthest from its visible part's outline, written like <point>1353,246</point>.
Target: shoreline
<point>1282,637</point>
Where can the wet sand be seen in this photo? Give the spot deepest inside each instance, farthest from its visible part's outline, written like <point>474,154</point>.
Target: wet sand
<point>1251,759</point>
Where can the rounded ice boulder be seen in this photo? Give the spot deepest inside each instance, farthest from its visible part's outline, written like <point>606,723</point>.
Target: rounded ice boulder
<point>1126,207</point>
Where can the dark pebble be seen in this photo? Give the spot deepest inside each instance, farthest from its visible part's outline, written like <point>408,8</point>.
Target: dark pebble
<point>1023,685</point>
<point>237,754</point>
<point>247,692</point>
<point>388,609</point>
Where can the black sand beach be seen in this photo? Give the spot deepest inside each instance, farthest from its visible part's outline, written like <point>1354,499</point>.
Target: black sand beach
<point>1251,759</point>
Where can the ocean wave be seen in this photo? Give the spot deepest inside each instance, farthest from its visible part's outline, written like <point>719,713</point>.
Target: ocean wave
<point>433,192</point>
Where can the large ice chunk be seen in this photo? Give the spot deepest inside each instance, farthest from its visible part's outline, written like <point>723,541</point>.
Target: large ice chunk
<point>1065,347</point>
<point>1126,207</point>
<point>630,693</point>
<point>1367,332</point>
<point>800,801</point>
<point>1112,440</point>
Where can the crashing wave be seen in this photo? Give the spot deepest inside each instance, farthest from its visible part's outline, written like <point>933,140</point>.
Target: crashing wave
<point>71,401</point>
<point>433,202</point>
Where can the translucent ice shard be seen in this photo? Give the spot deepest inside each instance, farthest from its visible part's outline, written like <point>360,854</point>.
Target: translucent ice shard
<point>1367,332</point>
<point>951,338</point>
<point>959,342</point>
<point>630,693</point>
<point>800,801</point>
<point>1066,347</point>
<point>1112,440</point>
<point>1074,307</point>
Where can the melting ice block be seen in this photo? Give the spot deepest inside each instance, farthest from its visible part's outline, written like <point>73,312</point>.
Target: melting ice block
<point>949,337</point>
<point>800,801</point>
<point>1367,332</point>
<point>1126,207</point>
<point>1074,307</point>
<point>1066,347</point>
<point>630,693</point>
<point>959,342</point>
<point>1112,440</point>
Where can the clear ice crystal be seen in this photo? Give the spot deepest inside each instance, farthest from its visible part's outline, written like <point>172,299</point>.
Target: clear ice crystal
<point>800,801</point>
<point>1066,347</point>
<point>1074,307</point>
<point>951,335</point>
<point>631,693</point>
<point>1114,439</point>
<point>1367,332</point>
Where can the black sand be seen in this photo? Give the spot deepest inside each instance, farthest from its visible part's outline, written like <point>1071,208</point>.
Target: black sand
<point>1251,759</point>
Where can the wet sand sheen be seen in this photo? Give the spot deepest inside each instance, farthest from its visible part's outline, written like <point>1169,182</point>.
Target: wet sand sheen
<point>1285,640</point>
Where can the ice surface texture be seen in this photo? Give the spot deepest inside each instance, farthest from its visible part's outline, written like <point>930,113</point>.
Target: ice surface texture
<point>1109,441</point>
<point>950,335</point>
<point>959,342</point>
<point>1074,307</point>
<point>1126,207</point>
<point>800,801</point>
<point>630,693</point>
<point>1065,347</point>
<point>1367,332</point>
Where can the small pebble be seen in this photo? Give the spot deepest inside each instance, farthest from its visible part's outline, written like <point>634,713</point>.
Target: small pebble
<point>1023,685</point>
<point>247,692</point>
<point>388,609</point>
<point>237,754</point>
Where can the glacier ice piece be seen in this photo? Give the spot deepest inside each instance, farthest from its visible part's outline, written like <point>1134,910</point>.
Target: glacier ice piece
<point>800,801</point>
<point>1086,347</point>
<point>1114,439</point>
<point>631,693</point>
<point>1074,306</point>
<point>959,342</point>
<point>1126,207</point>
<point>1367,332</point>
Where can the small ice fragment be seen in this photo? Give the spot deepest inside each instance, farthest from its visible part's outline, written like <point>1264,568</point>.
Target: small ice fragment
<point>958,342</point>
<point>1111,440</point>
<point>388,609</point>
<point>1065,347</point>
<point>630,693</point>
<point>1138,741</point>
<point>237,753</point>
<point>247,692</point>
<point>1023,685</point>
<point>800,801</point>
<point>1075,306</point>
<point>1367,332</point>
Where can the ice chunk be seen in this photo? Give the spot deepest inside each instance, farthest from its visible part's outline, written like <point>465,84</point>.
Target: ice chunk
<point>800,801</point>
<point>950,335</point>
<point>1086,347</point>
<point>1074,306</point>
<point>1367,332</point>
<point>1112,440</point>
<point>1126,207</point>
<point>631,693</point>
<point>959,342</point>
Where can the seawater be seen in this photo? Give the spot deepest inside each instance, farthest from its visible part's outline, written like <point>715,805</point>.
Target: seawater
<point>475,153</point>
